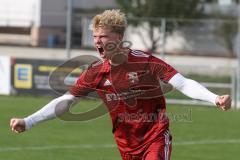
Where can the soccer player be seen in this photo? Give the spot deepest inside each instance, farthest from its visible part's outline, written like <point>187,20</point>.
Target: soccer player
<point>128,82</point>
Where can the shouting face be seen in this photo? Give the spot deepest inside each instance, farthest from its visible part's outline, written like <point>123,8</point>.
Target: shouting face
<point>106,41</point>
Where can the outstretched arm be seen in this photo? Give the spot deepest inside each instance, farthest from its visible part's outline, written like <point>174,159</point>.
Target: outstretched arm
<point>195,90</point>
<point>56,107</point>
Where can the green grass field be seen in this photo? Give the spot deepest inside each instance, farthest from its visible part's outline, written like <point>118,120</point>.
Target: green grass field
<point>200,133</point>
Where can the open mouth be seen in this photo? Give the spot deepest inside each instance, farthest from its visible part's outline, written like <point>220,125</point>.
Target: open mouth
<point>100,50</point>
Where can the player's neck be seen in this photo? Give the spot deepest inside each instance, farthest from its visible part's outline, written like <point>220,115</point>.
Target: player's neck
<point>113,64</point>
<point>121,59</point>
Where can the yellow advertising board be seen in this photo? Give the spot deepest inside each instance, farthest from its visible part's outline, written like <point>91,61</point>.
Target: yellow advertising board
<point>23,76</point>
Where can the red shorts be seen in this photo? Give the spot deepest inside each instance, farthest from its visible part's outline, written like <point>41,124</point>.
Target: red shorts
<point>158,150</point>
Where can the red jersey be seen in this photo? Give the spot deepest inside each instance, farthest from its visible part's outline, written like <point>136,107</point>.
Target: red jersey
<point>133,96</point>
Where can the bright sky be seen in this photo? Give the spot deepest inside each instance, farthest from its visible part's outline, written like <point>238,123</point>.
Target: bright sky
<point>224,2</point>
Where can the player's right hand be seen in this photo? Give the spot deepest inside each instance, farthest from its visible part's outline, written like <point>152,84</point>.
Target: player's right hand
<point>17,125</point>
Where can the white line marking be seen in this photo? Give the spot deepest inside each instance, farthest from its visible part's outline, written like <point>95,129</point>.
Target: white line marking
<point>204,142</point>
<point>51,147</point>
<point>91,146</point>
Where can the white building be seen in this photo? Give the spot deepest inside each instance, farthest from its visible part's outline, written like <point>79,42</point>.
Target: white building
<point>41,17</point>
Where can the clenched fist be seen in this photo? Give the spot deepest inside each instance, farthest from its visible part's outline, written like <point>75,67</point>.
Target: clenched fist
<point>17,125</point>
<point>224,102</point>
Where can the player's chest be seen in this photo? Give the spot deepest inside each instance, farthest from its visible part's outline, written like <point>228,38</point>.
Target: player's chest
<point>127,78</point>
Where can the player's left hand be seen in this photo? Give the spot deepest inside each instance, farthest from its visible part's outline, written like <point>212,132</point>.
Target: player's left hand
<point>224,102</point>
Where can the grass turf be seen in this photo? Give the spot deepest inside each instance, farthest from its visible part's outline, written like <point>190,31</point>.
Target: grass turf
<point>199,133</point>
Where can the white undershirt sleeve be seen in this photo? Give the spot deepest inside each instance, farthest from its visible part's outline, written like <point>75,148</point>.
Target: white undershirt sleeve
<point>56,107</point>
<point>192,88</point>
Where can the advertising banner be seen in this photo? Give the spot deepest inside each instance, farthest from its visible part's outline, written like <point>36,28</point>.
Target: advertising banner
<point>31,76</point>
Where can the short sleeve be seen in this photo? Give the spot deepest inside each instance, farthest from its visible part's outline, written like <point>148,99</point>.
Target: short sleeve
<point>161,69</point>
<point>84,85</point>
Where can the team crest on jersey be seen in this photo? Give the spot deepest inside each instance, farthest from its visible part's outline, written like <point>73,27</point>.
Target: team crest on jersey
<point>107,83</point>
<point>132,77</point>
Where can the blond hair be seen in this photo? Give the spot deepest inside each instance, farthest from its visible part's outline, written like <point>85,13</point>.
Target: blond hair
<point>113,19</point>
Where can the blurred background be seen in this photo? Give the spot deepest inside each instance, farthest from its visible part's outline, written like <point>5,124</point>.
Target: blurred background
<point>200,38</point>
<point>197,37</point>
